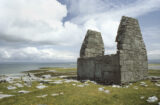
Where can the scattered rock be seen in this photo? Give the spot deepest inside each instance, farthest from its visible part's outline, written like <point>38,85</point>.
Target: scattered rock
<point>116,86</point>
<point>86,84</point>
<point>127,86</point>
<point>46,76</point>
<point>5,95</point>
<point>11,87</point>
<point>70,80</point>
<point>42,96</point>
<point>158,103</point>
<point>63,76</point>
<point>93,82</point>
<point>61,93</point>
<point>57,82</point>
<point>27,85</point>
<point>23,91</point>
<point>46,81</point>
<point>143,84</point>
<point>142,97</point>
<point>80,85</point>
<point>55,94</point>
<point>18,85</point>
<point>74,84</point>
<point>41,86</point>
<point>135,87</point>
<point>154,78</point>
<point>101,89</point>
<point>152,99</point>
<point>157,84</point>
<point>107,91</point>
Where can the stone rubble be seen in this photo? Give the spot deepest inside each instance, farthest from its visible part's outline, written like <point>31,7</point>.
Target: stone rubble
<point>152,99</point>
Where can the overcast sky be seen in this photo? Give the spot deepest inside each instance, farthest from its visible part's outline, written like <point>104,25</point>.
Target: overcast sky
<point>53,30</point>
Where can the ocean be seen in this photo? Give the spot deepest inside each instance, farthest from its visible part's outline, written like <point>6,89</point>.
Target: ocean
<point>13,68</point>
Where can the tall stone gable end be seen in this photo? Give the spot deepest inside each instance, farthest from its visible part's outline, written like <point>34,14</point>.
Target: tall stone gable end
<point>129,64</point>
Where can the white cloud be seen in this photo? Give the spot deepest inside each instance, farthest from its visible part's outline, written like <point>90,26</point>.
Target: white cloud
<point>36,21</point>
<point>154,54</point>
<point>35,54</point>
<point>40,21</point>
<point>107,17</point>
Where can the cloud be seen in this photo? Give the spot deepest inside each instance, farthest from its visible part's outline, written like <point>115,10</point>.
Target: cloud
<point>35,21</point>
<point>154,54</point>
<point>41,30</point>
<point>107,16</point>
<point>35,54</point>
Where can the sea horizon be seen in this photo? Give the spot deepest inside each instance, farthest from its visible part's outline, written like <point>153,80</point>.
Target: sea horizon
<point>18,67</point>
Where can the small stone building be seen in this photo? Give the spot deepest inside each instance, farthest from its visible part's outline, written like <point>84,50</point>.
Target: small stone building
<point>129,64</point>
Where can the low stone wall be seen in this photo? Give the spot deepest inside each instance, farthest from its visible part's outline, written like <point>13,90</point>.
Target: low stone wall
<point>103,69</point>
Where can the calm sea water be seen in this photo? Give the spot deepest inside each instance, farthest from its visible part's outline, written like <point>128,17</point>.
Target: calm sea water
<point>12,68</point>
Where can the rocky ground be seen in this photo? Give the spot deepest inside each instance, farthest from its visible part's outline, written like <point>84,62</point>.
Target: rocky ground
<point>58,86</point>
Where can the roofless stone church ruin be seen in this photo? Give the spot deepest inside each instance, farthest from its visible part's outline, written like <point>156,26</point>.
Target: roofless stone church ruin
<point>129,64</point>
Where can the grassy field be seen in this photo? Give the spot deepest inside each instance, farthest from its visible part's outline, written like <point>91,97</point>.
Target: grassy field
<point>78,93</point>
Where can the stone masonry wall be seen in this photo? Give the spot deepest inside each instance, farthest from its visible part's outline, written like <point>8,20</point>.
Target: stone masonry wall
<point>128,65</point>
<point>131,51</point>
<point>103,69</point>
<point>92,45</point>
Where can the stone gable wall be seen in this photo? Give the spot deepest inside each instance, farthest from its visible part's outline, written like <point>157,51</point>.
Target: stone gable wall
<point>128,65</point>
<point>92,45</point>
<point>131,50</point>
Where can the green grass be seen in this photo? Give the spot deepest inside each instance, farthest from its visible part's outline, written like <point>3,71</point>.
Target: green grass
<point>153,64</point>
<point>73,95</point>
<point>154,72</point>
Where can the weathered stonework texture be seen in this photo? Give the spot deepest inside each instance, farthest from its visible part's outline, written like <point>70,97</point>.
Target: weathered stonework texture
<point>92,45</point>
<point>130,64</point>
